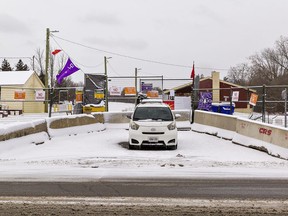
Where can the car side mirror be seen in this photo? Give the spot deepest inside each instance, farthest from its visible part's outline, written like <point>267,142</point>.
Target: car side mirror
<point>128,116</point>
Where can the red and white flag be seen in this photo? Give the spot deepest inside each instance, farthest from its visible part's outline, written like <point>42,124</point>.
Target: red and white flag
<point>193,72</point>
<point>56,51</point>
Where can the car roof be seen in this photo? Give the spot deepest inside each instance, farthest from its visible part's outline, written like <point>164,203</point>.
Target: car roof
<point>153,104</point>
<point>152,101</point>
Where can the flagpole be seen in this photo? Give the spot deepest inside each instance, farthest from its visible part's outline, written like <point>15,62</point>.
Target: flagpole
<point>192,94</point>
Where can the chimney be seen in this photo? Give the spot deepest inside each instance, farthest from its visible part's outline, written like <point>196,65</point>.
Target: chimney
<point>216,86</point>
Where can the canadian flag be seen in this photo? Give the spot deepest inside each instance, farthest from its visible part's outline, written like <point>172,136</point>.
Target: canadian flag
<point>56,51</point>
<point>193,72</point>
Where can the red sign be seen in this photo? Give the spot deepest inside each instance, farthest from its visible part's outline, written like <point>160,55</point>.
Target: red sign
<point>265,131</point>
<point>19,95</point>
<point>170,103</point>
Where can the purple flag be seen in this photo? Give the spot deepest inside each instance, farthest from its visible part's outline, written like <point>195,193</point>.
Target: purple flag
<point>205,101</point>
<point>69,69</point>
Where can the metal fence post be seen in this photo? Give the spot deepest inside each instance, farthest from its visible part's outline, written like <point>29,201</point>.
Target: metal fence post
<point>263,102</point>
<point>285,107</point>
<point>231,93</point>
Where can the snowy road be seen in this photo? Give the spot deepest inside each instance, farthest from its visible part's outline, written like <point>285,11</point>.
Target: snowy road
<point>62,173</point>
<point>104,154</point>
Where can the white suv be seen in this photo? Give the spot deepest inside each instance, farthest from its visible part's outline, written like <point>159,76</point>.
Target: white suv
<point>153,124</point>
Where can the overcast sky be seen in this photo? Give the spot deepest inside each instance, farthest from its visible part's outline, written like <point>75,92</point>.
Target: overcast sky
<point>215,34</point>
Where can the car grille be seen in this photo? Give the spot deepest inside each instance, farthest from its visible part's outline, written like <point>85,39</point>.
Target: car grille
<point>153,133</point>
<point>144,143</point>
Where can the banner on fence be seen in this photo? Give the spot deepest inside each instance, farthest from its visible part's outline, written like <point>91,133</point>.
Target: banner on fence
<point>235,95</point>
<point>152,94</point>
<point>78,95</point>
<point>145,87</point>
<point>205,101</point>
<point>253,99</point>
<point>130,91</point>
<point>99,93</point>
<point>115,91</point>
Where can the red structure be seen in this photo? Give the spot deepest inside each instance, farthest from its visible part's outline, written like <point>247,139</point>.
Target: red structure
<point>221,91</point>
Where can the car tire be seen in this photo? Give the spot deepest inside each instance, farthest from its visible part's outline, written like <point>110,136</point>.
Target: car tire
<point>174,147</point>
<point>134,147</point>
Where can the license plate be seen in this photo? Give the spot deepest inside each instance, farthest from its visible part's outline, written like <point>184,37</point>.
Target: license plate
<point>153,139</point>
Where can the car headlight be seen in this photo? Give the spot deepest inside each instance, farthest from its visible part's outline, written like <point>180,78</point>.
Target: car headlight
<point>172,126</point>
<point>134,126</point>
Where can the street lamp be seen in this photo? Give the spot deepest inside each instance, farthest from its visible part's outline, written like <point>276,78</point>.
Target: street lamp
<point>106,82</point>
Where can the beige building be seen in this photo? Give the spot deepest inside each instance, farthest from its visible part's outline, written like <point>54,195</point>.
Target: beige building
<point>21,92</point>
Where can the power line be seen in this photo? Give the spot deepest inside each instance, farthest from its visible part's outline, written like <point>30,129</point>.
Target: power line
<point>16,57</point>
<point>134,58</point>
<point>86,66</point>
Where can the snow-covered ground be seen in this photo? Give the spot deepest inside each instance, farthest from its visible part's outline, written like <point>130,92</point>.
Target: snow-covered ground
<point>104,154</point>
<point>83,156</point>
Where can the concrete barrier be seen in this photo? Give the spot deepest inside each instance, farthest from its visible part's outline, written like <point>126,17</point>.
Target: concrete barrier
<point>22,129</point>
<point>116,117</point>
<point>222,121</point>
<point>241,128</point>
<point>185,115</point>
<point>73,120</point>
<point>27,128</point>
<point>264,132</point>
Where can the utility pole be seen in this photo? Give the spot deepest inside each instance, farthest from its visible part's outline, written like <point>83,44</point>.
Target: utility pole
<point>136,80</point>
<point>192,94</point>
<point>136,74</point>
<point>106,82</point>
<point>46,68</point>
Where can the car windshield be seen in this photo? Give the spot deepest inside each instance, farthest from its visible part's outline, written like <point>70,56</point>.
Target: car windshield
<point>153,113</point>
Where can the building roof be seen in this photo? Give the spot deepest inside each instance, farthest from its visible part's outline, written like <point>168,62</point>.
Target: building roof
<point>201,80</point>
<point>14,77</point>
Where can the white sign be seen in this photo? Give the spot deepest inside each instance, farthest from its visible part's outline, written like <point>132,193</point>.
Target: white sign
<point>39,95</point>
<point>182,103</point>
<point>235,96</point>
<point>114,90</point>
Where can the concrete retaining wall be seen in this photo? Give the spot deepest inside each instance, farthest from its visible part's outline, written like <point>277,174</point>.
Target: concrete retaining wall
<point>116,117</point>
<point>37,126</point>
<point>222,121</point>
<point>74,120</point>
<point>260,131</point>
<point>256,130</point>
<point>22,129</point>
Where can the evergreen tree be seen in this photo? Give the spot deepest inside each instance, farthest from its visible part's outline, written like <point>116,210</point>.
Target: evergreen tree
<point>6,66</point>
<point>20,66</point>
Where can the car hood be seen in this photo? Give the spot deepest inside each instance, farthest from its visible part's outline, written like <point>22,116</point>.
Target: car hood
<point>151,123</point>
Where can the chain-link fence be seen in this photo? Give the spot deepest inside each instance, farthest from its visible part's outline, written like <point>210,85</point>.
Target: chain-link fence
<point>263,103</point>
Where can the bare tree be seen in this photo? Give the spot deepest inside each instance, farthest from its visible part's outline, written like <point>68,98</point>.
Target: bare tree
<point>263,68</point>
<point>39,64</point>
<point>281,54</point>
<point>240,74</point>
